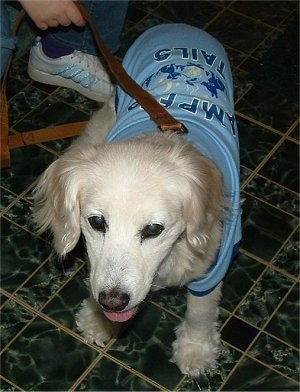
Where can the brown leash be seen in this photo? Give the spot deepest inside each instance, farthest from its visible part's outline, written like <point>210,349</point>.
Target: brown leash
<point>22,139</point>
<point>157,112</point>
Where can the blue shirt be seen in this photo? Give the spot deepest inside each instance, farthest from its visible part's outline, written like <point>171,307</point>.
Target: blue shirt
<point>188,72</point>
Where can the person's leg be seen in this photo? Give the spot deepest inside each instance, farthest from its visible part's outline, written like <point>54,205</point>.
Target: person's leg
<point>108,16</point>
<point>68,56</point>
<point>8,42</point>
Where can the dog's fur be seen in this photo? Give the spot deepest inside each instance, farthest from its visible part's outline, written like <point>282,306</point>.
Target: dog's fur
<point>157,179</point>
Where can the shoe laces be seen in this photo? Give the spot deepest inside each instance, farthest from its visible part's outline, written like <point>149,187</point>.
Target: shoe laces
<point>91,64</point>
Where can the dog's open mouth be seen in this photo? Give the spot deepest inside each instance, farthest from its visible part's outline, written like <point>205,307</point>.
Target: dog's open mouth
<point>120,317</point>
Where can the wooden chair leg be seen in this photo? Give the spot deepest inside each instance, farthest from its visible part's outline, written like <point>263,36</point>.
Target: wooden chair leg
<point>21,139</point>
<point>5,154</point>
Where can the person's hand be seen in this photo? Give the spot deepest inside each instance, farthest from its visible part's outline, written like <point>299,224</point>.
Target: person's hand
<point>52,13</point>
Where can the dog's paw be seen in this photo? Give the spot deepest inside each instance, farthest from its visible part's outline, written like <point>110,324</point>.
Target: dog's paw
<point>93,326</point>
<point>193,357</point>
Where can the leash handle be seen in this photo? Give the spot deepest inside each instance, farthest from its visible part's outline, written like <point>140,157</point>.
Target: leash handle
<point>157,112</point>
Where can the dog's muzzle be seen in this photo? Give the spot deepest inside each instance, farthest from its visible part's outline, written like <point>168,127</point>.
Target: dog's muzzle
<point>113,304</point>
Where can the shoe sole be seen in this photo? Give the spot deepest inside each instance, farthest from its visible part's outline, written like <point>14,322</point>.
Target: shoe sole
<point>55,80</point>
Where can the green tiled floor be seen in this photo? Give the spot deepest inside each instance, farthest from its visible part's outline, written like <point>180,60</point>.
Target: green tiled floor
<point>259,318</point>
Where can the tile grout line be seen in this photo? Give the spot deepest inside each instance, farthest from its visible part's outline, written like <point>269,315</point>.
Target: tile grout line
<point>12,126</point>
<point>289,238</point>
<point>38,313</point>
<point>181,382</point>
<point>10,383</point>
<point>246,354</point>
<point>14,293</point>
<point>262,125</point>
<point>268,203</point>
<point>273,30</point>
<point>132,370</point>
<point>86,372</point>
<point>28,323</point>
<point>280,303</point>
<point>48,96</point>
<point>273,369</point>
<point>243,94</point>
<point>252,343</point>
<point>66,282</point>
<point>270,263</point>
<point>255,172</point>
<point>258,21</point>
<point>234,314</point>
<point>159,306</point>
<point>101,351</point>
<point>118,362</point>
<point>263,162</point>
<point>169,311</point>
<point>281,341</point>
<point>76,272</point>
<point>250,54</point>
<point>53,322</point>
<point>285,188</point>
<point>15,298</point>
<point>214,18</point>
<point>18,197</point>
<point>261,330</point>
<point>43,263</point>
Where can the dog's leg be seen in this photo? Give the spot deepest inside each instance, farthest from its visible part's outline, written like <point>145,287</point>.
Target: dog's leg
<point>98,127</point>
<point>197,345</point>
<point>93,325</point>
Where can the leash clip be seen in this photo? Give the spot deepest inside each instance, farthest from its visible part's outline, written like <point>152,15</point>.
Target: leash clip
<point>179,129</point>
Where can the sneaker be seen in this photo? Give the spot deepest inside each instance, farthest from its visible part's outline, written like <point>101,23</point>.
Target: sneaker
<point>79,71</point>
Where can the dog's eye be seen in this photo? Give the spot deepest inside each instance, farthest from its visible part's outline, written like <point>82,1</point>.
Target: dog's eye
<point>98,223</point>
<point>152,230</point>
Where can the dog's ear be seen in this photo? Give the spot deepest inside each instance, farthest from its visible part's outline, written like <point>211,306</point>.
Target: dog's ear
<point>203,197</point>
<point>56,204</point>
<point>56,196</point>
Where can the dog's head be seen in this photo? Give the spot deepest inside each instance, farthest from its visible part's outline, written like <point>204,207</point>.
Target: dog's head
<point>134,202</point>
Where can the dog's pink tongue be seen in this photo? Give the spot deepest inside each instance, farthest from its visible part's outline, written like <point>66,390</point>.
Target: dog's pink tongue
<point>120,317</point>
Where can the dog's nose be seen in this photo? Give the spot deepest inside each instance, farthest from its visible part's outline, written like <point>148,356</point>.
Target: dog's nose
<point>113,300</point>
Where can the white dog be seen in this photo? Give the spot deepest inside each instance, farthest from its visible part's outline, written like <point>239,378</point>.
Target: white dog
<point>154,211</point>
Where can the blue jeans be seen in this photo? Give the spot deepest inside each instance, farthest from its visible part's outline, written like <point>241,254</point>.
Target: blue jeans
<point>8,42</point>
<point>109,17</point>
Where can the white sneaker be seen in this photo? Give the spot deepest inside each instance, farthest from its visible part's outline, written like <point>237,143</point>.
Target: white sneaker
<point>79,71</point>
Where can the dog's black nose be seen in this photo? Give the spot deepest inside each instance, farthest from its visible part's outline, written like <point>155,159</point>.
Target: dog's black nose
<point>113,300</point>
